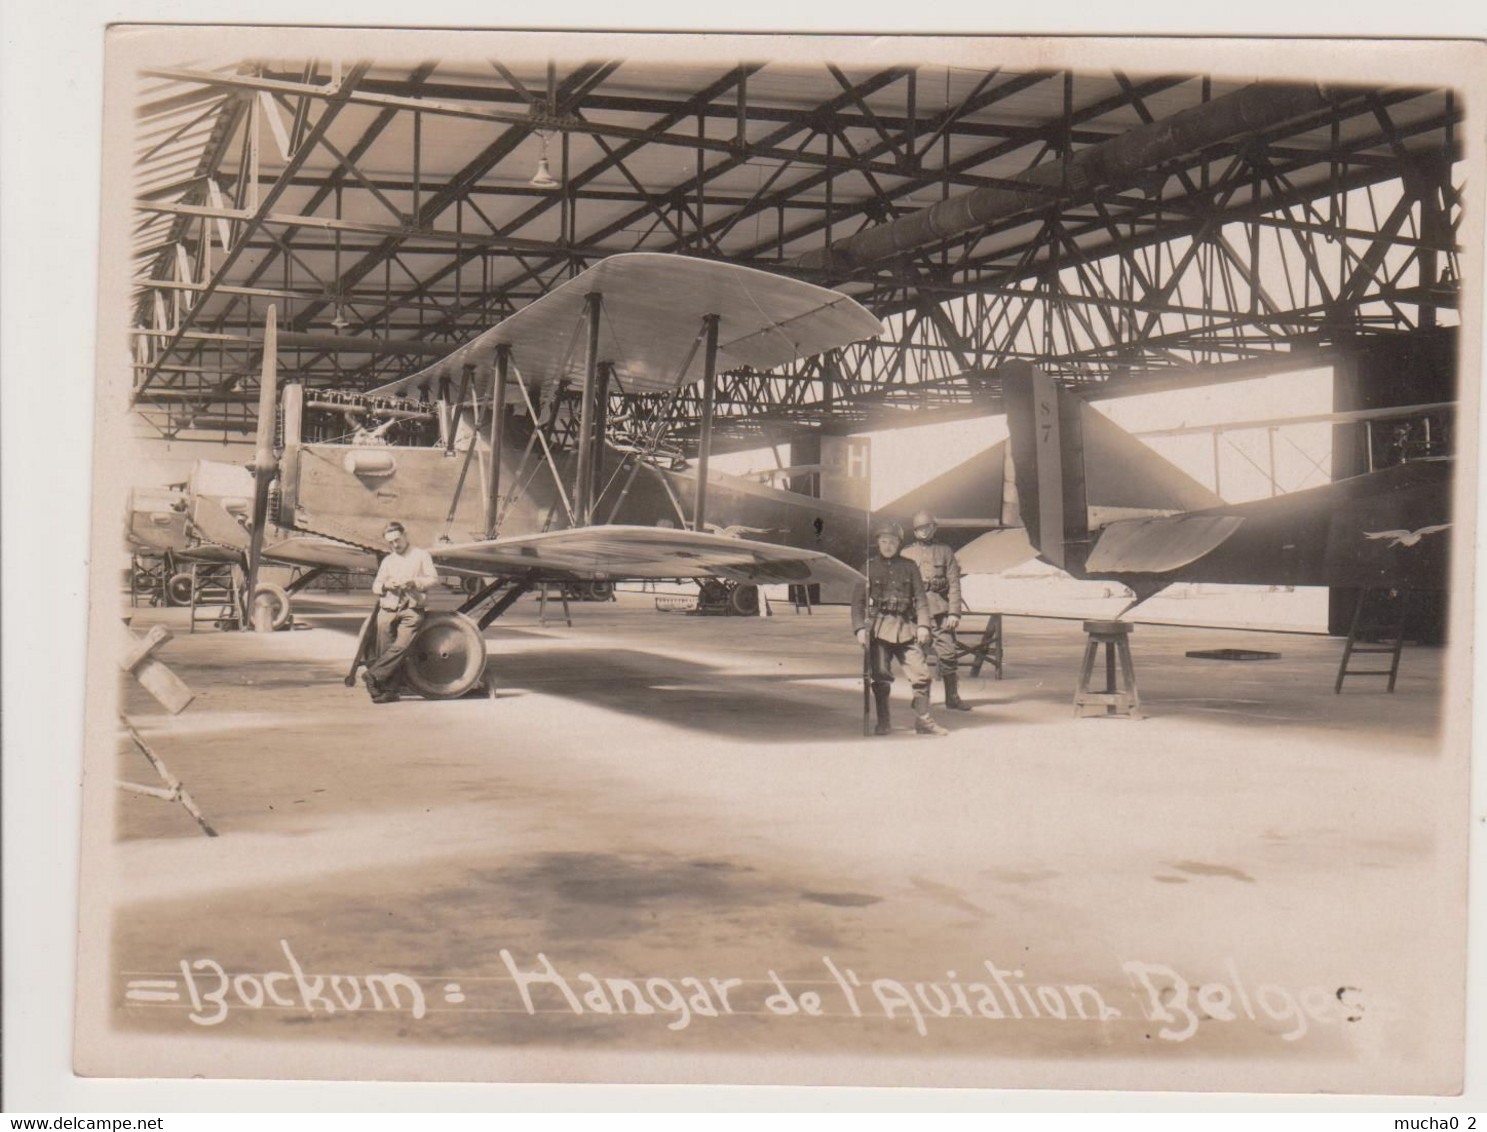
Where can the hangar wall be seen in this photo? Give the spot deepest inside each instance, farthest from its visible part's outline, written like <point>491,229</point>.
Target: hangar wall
<point>1415,368</point>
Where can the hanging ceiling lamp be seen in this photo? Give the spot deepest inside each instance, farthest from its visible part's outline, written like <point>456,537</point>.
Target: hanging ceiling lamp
<point>543,178</point>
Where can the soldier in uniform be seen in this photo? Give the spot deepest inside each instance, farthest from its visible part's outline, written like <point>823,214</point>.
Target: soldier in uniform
<point>941,573</point>
<point>891,618</point>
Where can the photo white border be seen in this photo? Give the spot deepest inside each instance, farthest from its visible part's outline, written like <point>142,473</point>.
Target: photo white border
<point>52,72</point>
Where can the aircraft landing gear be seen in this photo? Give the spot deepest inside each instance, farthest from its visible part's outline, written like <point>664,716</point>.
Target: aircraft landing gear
<point>178,589</point>
<point>743,601</point>
<point>273,603</point>
<point>447,658</point>
<point>727,598</point>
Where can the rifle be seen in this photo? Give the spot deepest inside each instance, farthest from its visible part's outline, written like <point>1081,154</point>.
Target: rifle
<point>867,640</point>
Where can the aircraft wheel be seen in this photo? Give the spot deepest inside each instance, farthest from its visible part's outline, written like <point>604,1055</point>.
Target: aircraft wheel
<point>447,657</point>
<point>598,591</point>
<point>711,594</point>
<point>275,602</point>
<point>744,601</point>
<point>178,589</point>
<point>472,585</point>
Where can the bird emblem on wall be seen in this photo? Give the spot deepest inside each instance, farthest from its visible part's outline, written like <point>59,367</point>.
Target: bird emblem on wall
<point>1406,538</point>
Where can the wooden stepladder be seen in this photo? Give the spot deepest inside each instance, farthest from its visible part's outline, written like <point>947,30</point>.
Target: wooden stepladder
<point>1379,622</point>
<point>170,691</point>
<point>216,596</point>
<point>147,578</point>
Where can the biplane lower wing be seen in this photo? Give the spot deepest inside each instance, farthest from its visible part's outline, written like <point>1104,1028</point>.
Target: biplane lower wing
<point>631,552</point>
<point>304,550</point>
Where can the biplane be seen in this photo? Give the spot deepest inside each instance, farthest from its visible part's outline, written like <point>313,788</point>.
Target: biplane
<point>156,533</point>
<point>1098,503</point>
<point>206,520</point>
<point>499,458</point>
<point>216,507</point>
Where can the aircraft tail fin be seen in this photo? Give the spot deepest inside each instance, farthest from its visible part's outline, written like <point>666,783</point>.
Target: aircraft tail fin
<point>971,495</point>
<point>1045,443</point>
<point>1075,470</point>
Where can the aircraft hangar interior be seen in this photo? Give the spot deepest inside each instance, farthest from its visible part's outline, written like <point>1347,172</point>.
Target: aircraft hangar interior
<point>518,443</point>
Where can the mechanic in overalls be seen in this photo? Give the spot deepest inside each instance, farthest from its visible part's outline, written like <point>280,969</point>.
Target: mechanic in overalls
<point>891,618</point>
<point>940,570</point>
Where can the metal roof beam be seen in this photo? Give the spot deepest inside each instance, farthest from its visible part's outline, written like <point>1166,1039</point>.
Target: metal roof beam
<point>331,111</point>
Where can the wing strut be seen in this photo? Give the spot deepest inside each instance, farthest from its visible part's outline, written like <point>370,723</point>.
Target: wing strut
<point>663,422</point>
<point>601,426</point>
<point>498,436</point>
<point>581,488</point>
<point>705,442</point>
<point>557,478</point>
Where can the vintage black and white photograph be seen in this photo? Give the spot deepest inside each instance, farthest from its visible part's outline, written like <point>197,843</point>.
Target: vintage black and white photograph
<point>782,560</point>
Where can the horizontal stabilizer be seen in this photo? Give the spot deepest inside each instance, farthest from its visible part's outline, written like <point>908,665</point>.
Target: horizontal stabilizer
<point>1158,545</point>
<point>996,551</point>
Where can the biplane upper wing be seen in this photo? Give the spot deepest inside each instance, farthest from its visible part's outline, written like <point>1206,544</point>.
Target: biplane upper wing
<point>619,552</point>
<point>652,309</point>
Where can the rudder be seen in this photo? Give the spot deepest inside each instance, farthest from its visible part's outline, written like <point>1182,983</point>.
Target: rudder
<point>1046,437</point>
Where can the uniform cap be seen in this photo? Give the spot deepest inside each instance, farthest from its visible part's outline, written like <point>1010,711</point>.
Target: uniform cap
<point>923,519</point>
<point>888,527</point>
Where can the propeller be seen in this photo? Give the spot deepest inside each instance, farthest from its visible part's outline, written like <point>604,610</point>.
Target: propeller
<point>265,464</point>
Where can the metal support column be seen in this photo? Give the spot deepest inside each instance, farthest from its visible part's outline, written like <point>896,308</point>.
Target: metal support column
<point>581,492</point>
<point>497,436</point>
<point>705,438</point>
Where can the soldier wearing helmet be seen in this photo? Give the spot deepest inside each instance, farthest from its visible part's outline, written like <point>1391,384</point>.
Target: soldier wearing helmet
<point>940,571</point>
<point>891,618</point>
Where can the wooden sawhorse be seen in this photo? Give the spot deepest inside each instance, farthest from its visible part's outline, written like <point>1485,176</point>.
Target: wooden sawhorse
<point>542,616</point>
<point>1119,697</point>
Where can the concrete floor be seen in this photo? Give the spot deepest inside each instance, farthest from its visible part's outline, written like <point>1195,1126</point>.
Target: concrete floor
<point>664,795</point>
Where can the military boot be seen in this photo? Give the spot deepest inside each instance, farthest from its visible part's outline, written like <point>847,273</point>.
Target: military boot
<point>880,699</point>
<point>952,693</point>
<point>380,693</point>
<point>923,724</point>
